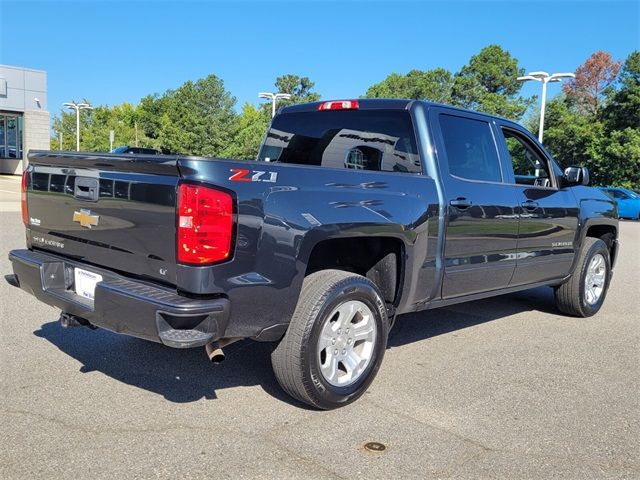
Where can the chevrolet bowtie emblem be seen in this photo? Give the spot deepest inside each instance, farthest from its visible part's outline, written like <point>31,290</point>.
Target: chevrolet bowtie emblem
<point>84,218</point>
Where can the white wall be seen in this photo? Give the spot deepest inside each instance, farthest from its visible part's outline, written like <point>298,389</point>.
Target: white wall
<point>24,90</point>
<point>23,87</point>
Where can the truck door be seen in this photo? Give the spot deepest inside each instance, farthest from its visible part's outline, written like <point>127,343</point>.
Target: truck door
<point>482,217</point>
<point>548,213</point>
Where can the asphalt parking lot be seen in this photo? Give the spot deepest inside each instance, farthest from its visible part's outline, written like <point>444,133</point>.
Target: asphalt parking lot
<point>499,388</point>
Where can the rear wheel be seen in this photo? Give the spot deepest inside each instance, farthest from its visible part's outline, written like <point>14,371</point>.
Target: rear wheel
<point>584,293</point>
<point>335,342</point>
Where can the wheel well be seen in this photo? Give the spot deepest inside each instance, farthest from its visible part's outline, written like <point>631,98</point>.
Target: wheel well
<point>607,233</point>
<point>377,258</point>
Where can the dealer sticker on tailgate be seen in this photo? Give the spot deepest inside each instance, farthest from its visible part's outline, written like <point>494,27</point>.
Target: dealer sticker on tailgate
<point>85,282</point>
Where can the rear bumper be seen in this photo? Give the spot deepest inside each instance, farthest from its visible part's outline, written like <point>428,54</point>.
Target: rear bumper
<point>120,304</point>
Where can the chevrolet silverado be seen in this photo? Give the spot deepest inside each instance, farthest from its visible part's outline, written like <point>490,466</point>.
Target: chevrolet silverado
<point>354,212</point>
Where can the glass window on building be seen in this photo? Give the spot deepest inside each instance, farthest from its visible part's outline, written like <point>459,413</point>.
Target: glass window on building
<point>11,127</point>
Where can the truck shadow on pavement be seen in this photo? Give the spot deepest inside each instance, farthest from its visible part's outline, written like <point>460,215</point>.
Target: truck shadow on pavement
<point>413,327</point>
<point>183,376</point>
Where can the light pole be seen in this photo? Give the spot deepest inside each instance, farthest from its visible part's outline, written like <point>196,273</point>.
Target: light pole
<point>77,107</point>
<point>274,97</point>
<point>545,78</point>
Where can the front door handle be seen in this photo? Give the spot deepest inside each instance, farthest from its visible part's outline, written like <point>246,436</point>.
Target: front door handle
<point>529,205</point>
<point>460,203</point>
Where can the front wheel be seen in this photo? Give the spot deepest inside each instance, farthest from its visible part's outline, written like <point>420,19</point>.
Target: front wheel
<point>335,342</point>
<point>584,293</point>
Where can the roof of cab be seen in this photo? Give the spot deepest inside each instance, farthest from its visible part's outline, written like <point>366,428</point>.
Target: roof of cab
<point>363,104</point>
<point>381,104</point>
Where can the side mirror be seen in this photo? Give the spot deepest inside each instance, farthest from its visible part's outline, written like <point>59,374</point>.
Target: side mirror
<point>576,175</point>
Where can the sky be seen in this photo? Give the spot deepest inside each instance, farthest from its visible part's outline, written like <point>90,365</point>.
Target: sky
<point>110,52</point>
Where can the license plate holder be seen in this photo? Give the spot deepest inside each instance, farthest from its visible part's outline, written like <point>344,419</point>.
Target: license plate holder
<point>85,282</point>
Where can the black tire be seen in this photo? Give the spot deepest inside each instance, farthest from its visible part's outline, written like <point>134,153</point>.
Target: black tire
<point>570,296</point>
<point>296,361</point>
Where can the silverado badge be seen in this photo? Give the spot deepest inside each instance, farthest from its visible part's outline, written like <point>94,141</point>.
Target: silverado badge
<point>85,218</point>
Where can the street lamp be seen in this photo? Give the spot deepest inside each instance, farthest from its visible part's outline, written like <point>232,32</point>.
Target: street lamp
<point>545,78</point>
<point>77,107</point>
<point>274,98</point>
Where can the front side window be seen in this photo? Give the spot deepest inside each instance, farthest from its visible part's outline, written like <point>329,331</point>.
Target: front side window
<point>379,140</point>
<point>471,150</point>
<point>529,167</point>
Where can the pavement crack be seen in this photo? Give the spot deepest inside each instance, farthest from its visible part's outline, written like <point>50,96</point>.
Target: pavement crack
<point>84,429</point>
<point>485,449</point>
<point>326,473</point>
<point>440,428</point>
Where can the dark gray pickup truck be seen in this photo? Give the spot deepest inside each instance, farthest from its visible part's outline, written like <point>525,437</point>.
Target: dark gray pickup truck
<point>354,213</point>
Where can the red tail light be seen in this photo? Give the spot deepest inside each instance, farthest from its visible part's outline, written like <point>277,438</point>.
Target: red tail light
<point>339,105</point>
<point>205,224</point>
<point>23,198</point>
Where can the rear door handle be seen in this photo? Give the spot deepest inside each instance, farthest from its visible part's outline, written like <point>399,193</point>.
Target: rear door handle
<point>529,205</point>
<point>460,203</point>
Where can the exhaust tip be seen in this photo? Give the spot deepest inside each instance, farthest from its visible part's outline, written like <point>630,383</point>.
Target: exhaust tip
<point>69,321</point>
<point>214,352</point>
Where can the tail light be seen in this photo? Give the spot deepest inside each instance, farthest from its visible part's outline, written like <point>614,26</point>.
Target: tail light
<point>205,224</point>
<point>23,198</point>
<point>339,105</point>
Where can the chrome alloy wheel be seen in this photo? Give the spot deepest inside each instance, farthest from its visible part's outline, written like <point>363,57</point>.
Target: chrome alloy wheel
<point>346,343</point>
<point>595,279</point>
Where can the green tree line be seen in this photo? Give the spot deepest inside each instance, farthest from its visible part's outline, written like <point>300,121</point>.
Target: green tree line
<point>595,122</point>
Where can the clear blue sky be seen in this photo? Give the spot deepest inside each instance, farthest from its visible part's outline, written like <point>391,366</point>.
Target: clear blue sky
<point>109,52</point>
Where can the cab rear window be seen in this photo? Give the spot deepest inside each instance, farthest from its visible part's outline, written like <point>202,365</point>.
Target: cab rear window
<point>379,140</point>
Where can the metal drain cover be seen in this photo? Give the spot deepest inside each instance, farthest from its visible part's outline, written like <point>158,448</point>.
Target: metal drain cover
<point>375,447</point>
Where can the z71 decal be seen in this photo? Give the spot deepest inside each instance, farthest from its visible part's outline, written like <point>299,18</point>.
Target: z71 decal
<point>246,175</point>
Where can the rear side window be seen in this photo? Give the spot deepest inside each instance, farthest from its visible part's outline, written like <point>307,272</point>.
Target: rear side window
<point>619,195</point>
<point>381,140</point>
<point>471,150</point>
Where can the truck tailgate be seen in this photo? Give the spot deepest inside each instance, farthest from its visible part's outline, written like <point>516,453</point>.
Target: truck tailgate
<point>114,211</point>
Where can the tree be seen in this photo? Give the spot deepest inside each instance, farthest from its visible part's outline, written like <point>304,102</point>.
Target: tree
<point>300,89</point>
<point>623,105</point>
<point>95,126</point>
<point>149,115</point>
<point>250,128</point>
<point>434,85</point>
<point>592,79</point>
<point>600,133</point>
<point>195,119</point>
<point>570,136</point>
<point>621,158</point>
<point>621,118</point>
<point>489,84</point>
<point>121,119</point>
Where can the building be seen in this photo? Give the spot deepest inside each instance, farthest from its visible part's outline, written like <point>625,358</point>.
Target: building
<point>24,118</point>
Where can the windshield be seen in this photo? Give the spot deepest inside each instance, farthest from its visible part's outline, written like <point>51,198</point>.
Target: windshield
<point>380,140</point>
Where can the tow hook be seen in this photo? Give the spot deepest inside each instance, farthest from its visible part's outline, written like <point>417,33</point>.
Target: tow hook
<point>68,321</point>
